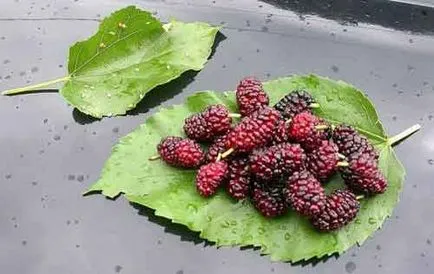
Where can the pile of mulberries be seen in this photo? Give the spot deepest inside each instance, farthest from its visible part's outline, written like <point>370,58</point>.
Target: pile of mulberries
<point>278,157</point>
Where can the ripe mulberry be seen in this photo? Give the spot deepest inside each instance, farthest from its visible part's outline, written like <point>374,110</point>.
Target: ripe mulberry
<point>206,125</point>
<point>210,177</point>
<point>281,134</point>
<point>363,175</point>
<point>295,103</point>
<point>323,161</point>
<point>218,146</point>
<point>308,130</point>
<point>276,161</point>
<point>250,96</point>
<point>166,149</point>
<point>253,131</point>
<point>349,141</point>
<point>341,208</point>
<point>180,152</point>
<point>269,199</point>
<point>305,194</point>
<point>239,178</point>
<point>188,154</point>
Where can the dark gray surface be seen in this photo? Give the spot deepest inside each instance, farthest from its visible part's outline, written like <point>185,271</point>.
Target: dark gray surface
<point>50,153</point>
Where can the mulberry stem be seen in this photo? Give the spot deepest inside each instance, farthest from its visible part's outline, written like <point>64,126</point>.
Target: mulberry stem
<point>403,135</point>
<point>219,157</point>
<point>321,127</point>
<point>234,115</point>
<point>227,153</point>
<point>314,105</point>
<point>342,164</point>
<point>341,156</point>
<point>153,158</point>
<point>360,197</point>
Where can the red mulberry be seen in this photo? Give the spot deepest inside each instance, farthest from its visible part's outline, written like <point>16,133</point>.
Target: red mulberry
<point>250,96</point>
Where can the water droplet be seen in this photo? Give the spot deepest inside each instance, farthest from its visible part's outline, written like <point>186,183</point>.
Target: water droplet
<point>71,177</point>
<point>137,69</point>
<point>261,230</point>
<point>233,222</point>
<point>192,207</point>
<point>109,95</point>
<point>287,236</point>
<point>80,178</point>
<point>209,218</point>
<point>350,267</point>
<point>372,221</point>
<point>335,68</point>
<point>329,99</point>
<point>168,66</point>
<point>234,231</point>
<point>56,137</point>
<point>118,268</point>
<point>226,224</point>
<point>358,221</point>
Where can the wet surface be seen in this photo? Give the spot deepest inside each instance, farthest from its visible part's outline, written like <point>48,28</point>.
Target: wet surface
<point>51,153</point>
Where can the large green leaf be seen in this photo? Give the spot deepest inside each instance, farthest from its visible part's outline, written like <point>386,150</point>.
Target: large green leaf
<point>171,191</point>
<point>131,54</point>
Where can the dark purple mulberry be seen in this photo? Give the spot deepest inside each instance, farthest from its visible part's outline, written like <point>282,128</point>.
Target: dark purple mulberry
<point>349,141</point>
<point>269,199</point>
<point>294,103</point>
<point>239,178</point>
<point>322,161</point>
<point>277,160</point>
<point>305,194</point>
<point>341,208</point>
<point>363,174</point>
<point>204,126</point>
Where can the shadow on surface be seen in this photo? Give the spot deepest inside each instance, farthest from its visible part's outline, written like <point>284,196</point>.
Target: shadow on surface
<point>157,95</point>
<point>38,91</point>
<point>191,236</point>
<point>390,14</point>
<point>180,230</point>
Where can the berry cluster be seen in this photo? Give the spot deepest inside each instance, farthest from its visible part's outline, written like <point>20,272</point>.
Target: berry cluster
<point>278,157</point>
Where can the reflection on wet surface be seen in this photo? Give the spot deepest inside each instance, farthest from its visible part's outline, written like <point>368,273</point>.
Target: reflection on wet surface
<point>396,15</point>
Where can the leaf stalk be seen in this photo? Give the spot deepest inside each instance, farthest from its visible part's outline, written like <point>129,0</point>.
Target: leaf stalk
<point>35,87</point>
<point>403,135</point>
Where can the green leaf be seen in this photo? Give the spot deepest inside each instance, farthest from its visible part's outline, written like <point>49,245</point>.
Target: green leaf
<point>131,54</point>
<point>171,191</point>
